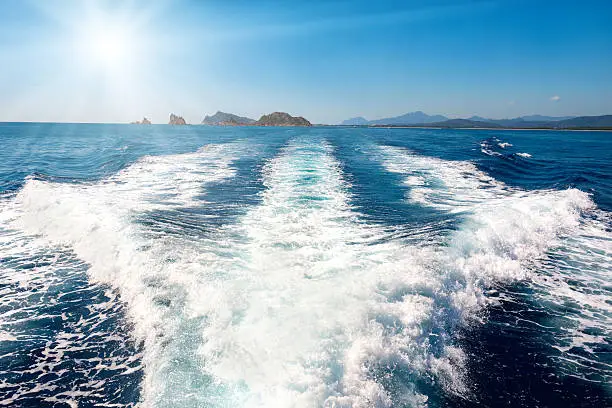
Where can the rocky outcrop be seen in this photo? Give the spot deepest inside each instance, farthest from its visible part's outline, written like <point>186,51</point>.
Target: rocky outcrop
<point>227,119</point>
<point>282,119</point>
<point>144,121</point>
<point>176,120</point>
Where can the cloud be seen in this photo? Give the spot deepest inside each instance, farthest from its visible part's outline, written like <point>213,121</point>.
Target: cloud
<point>555,98</point>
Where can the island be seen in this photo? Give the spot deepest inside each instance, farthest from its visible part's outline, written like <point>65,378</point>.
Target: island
<point>227,119</point>
<point>272,119</point>
<point>176,120</point>
<point>281,119</point>
<point>144,121</point>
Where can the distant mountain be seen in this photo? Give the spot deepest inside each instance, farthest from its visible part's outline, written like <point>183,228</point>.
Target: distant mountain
<point>411,118</point>
<point>520,121</point>
<point>551,122</point>
<point>227,119</point>
<point>480,119</point>
<point>282,119</point>
<point>515,122</point>
<point>464,123</point>
<point>581,122</point>
<point>176,120</point>
<point>358,121</point>
<point>541,118</point>
<point>451,124</point>
<point>585,122</point>
<point>420,118</point>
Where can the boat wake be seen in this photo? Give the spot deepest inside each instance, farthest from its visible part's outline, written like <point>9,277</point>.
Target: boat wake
<point>301,301</point>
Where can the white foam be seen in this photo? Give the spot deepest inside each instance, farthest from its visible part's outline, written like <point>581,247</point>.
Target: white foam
<point>313,287</point>
<point>447,185</point>
<point>511,231</point>
<point>35,278</point>
<point>324,309</point>
<point>5,336</point>
<point>300,302</point>
<point>525,155</point>
<point>485,148</point>
<point>578,285</point>
<point>97,222</point>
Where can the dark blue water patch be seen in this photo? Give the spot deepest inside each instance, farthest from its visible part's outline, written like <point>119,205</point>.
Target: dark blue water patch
<point>558,160</point>
<point>511,361</point>
<point>67,336</point>
<point>228,199</point>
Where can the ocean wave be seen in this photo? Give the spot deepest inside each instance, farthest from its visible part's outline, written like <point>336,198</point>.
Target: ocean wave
<point>449,185</point>
<point>59,333</point>
<point>300,301</point>
<point>556,240</point>
<point>96,222</point>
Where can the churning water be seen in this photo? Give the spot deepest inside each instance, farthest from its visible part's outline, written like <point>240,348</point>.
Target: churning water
<point>161,266</point>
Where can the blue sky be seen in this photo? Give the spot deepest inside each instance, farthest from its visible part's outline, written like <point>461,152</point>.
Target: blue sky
<point>325,60</point>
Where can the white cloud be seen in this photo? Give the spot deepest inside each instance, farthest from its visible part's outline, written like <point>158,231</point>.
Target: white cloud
<point>555,98</point>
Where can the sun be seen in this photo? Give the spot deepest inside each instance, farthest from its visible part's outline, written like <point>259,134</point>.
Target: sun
<point>103,55</point>
<point>106,47</point>
<point>106,44</point>
<point>109,47</point>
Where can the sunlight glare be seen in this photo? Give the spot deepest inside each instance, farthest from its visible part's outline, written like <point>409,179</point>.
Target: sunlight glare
<point>106,47</point>
<point>109,47</point>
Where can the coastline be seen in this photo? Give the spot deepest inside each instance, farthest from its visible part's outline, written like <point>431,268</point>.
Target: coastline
<point>472,128</point>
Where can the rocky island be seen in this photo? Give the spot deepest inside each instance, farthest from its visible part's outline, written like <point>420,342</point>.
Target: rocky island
<point>227,119</point>
<point>144,121</point>
<point>176,120</point>
<point>272,119</point>
<point>281,119</point>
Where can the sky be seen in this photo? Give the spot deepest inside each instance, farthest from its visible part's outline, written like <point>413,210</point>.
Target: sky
<point>117,61</point>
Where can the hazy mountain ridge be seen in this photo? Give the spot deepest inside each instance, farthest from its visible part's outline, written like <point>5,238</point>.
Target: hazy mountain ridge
<point>464,123</point>
<point>359,120</point>
<point>419,118</point>
<point>603,121</point>
<point>542,118</point>
<point>410,118</point>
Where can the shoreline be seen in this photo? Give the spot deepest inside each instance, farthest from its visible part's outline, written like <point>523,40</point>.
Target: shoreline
<point>469,128</point>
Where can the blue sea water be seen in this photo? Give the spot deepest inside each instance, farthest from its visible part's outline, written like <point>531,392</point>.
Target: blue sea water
<point>298,267</point>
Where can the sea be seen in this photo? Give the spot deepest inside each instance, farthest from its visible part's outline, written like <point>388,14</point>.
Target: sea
<point>199,266</point>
